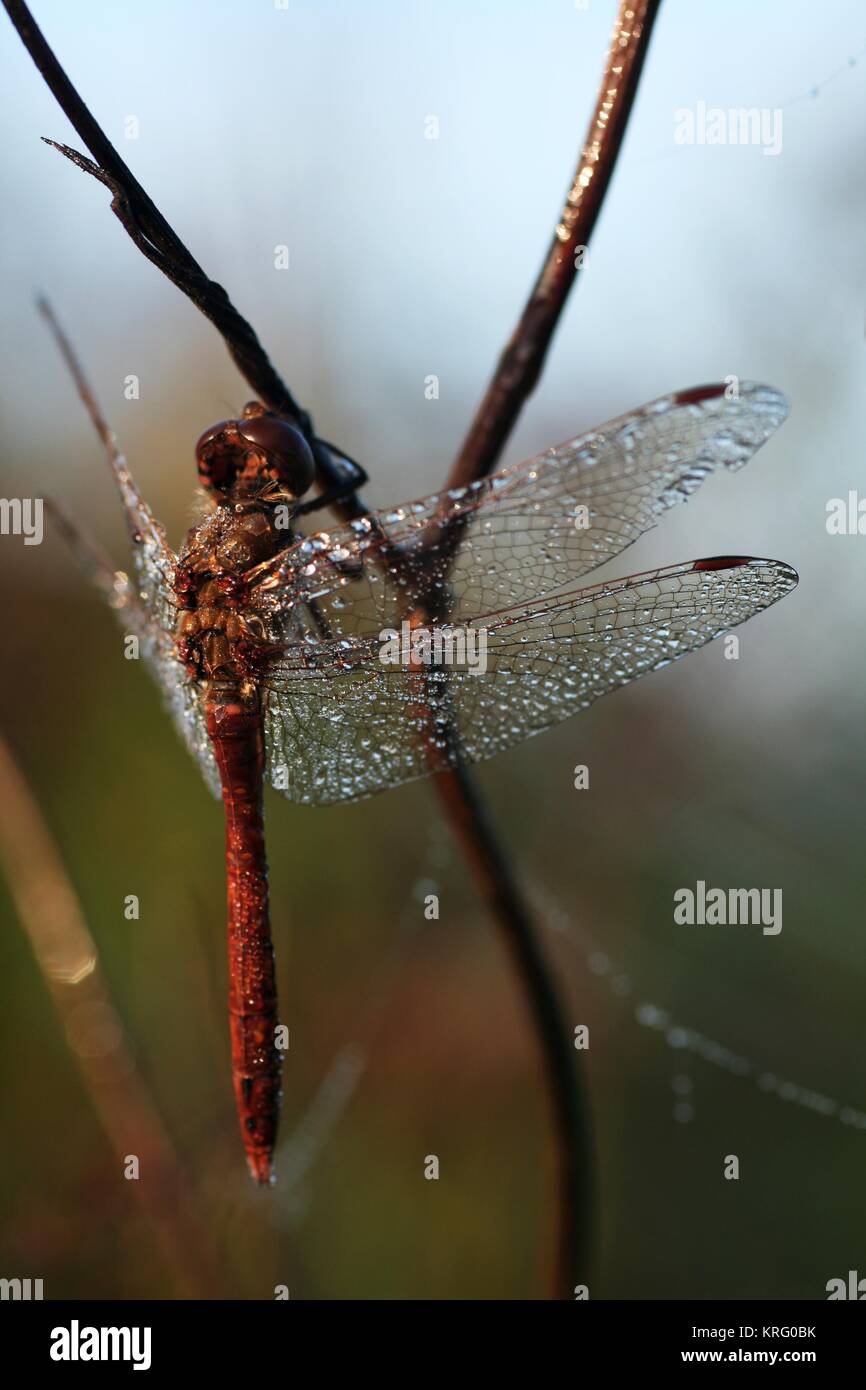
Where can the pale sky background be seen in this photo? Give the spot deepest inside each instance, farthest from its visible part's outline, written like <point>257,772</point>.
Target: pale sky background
<point>305,126</point>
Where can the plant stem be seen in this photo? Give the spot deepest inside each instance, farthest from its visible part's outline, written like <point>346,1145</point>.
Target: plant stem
<point>521,363</point>
<point>515,377</point>
<point>574,1151</point>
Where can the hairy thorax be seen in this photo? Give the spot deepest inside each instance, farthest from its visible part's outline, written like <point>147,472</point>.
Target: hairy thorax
<point>219,636</point>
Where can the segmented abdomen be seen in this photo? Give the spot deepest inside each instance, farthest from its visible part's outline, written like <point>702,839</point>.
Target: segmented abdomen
<point>235,730</point>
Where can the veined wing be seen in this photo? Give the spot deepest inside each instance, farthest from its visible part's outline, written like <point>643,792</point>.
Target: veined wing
<point>153,621</point>
<point>526,530</point>
<point>183,697</point>
<point>147,611</point>
<point>341,725</point>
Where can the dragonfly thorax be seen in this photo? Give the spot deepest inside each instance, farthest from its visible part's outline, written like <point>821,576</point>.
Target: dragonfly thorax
<point>219,635</point>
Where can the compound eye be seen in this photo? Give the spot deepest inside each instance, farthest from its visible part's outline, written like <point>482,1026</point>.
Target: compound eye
<point>286,449</point>
<point>211,436</point>
<point>218,453</point>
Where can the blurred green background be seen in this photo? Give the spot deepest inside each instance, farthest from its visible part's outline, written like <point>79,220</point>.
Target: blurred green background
<point>304,127</point>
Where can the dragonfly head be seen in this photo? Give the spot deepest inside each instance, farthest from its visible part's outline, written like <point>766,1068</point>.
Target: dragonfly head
<point>240,456</point>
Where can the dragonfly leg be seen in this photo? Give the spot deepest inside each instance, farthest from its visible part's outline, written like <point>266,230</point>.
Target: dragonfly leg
<point>355,478</point>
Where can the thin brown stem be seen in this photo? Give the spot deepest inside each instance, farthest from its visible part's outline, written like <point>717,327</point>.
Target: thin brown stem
<point>516,375</point>
<point>69,963</point>
<point>521,363</point>
<point>574,1151</point>
<point>82,385</point>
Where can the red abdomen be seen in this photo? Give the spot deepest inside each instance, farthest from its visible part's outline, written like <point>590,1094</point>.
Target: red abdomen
<point>235,730</point>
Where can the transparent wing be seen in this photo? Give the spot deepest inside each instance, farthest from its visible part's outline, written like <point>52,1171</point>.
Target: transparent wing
<point>153,622</point>
<point>149,614</point>
<point>155,563</point>
<point>341,725</point>
<point>147,611</point>
<point>527,530</point>
<point>182,697</point>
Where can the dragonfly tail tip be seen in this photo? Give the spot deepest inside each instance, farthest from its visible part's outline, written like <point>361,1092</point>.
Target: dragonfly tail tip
<point>261,1168</point>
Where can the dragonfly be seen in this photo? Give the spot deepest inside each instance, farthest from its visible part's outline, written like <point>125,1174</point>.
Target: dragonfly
<point>267,641</point>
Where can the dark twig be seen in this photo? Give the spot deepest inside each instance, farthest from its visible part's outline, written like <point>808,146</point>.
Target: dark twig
<point>517,374</point>
<point>159,242</point>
